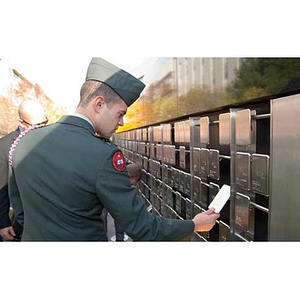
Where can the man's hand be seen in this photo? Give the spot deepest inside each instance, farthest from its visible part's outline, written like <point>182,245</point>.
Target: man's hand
<point>205,221</point>
<point>7,233</point>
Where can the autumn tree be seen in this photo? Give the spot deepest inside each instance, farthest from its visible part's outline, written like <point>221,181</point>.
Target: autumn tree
<point>8,116</point>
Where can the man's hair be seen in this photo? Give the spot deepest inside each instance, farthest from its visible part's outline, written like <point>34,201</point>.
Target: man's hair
<point>134,170</point>
<point>91,89</point>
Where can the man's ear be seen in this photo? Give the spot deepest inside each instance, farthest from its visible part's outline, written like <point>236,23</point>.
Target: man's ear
<point>98,103</point>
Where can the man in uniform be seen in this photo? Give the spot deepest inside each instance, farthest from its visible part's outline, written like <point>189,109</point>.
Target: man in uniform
<point>62,175</point>
<point>30,113</point>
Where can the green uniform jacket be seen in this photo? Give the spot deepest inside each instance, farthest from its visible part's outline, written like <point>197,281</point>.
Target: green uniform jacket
<point>5,143</point>
<point>62,177</point>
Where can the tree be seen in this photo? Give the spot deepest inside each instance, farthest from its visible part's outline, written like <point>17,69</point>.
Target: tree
<point>263,76</point>
<point>9,116</point>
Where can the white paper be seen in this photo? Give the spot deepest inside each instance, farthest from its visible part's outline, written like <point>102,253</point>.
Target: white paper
<point>221,198</point>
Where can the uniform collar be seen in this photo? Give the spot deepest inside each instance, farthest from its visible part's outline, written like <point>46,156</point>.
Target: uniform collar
<point>77,121</point>
<point>76,114</point>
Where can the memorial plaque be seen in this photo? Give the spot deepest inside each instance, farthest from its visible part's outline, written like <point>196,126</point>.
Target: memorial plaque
<point>147,192</point>
<point>197,189</point>
<point>243,170</point>
<point>177,183</point>
<point>181,132</point>
<point>147,149</point>
<point>165,211</point>
<point>242,204</point>
<point>213,191</point>
<point>188,183</point>
<point>196,210</point>
<point>182,157</point>
<point>224,129</point>
<point>166,154</point>
<point>152,181</point>
<point>145,134</point>
<point>178,202</point>
<point>214,169</point>
<point>145,163</point>
<point>159,151</point>
<point>177,132</point>
<point>172,154</point>
<point>169,194</point>
<point>203,196</point>
<point>204,162</point>
<point>157,134</point>
<point>182,181</point>
<point>204,130</point>
<point>188,208</point>
<point>152,167</point>
<point>158,169</point>
<point>260,174</point>
<point>224,232</point>
<point>172,177</point>
<point>165,173</point>
<point>152,150</point>
<point>243,127</point>
<point>167,132</point>
<point>159,188</point>
<point>196,161</point>
<point>187,129</point>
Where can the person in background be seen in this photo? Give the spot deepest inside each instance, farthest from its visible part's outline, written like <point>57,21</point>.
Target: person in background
<point>30,113</point>
<point>135,174</point>
<point>64,174</point>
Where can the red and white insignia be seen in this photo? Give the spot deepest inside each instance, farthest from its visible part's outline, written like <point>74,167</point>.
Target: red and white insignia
<point>118,161</point>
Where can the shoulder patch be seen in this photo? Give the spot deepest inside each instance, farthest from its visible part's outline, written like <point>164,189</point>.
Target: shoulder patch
<point>118,161</point>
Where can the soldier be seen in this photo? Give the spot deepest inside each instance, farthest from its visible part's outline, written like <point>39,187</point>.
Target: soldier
<point>62,175</point>
<point>30,113</point>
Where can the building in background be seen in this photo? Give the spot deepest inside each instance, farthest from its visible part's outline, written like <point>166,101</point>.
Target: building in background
<point>177,86</point>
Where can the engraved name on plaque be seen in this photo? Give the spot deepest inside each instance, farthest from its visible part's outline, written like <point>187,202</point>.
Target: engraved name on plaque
<point>242,204</point>
<point>214,170</point>
<point>260,174</point>
<point>182,157</point>
<point>243,170</point>
<point>204,161</point>
<point>196,161</point>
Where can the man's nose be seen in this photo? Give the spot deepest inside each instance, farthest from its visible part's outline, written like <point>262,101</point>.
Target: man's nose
<point>121,122</point>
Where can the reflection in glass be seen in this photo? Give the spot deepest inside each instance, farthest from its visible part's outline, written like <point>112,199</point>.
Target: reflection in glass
<point>180,86</point>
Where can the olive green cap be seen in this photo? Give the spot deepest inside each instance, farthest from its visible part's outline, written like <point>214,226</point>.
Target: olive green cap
<point>124,84</point>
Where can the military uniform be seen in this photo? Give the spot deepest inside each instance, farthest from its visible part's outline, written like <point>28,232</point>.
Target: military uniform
<point>5,144</point>
<point>63,175</point>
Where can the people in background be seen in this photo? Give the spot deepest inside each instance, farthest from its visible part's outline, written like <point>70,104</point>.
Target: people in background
<point>30,113</point>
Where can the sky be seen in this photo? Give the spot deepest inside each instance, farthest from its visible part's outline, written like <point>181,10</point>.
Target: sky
<point>61,77</point>
<point>52,44</point>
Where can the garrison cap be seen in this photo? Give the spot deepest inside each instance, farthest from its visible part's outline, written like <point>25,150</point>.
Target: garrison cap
<point>124,84</point>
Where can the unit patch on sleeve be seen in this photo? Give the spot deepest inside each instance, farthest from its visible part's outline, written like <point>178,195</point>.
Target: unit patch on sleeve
<point>118,161</point>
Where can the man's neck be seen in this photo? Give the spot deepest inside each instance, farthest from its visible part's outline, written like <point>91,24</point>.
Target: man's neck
<point>81,115</point>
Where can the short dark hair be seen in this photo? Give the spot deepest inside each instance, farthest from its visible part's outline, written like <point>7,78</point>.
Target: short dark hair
<point>134,170</point>
<point>91,89</point>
